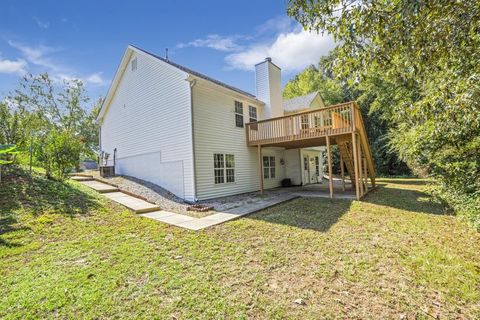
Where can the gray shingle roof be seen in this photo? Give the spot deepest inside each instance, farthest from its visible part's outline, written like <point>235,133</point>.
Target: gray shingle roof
<point>197,74</point>
<point>299,103</point>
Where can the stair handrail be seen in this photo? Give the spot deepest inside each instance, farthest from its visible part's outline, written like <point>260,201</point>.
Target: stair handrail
<point>364,138</point>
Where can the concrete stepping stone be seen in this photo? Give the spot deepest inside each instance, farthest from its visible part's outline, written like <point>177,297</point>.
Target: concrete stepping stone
<point>81,178</point>
<point>80,174</point>
<point>135,204</point>
<point>99,186</point>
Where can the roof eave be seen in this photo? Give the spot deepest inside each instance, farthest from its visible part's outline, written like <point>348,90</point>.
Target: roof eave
<point>114,84</point>
<point>230,92</point>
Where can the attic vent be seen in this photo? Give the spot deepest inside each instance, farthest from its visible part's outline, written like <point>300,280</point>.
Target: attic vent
<point>134,64</point>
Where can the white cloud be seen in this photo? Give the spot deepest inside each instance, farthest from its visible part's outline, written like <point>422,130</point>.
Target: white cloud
<point>40,57</point>
<point>277,24</point>
<point>280,38</point>
<point>95,79</point>
<point>42,24</point>
<point>36,55</point>
<point>292,51</point>
<point>13,66</point>
<point>214,41</point>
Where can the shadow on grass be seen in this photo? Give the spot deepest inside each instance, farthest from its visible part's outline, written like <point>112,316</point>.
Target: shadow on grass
<point>37,195</point>
<point>8,224</point>
<point>403,181</point>
<point>320,214</point>
<point>406,199</point>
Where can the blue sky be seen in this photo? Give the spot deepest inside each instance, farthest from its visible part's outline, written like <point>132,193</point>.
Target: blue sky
<point>86,39</point>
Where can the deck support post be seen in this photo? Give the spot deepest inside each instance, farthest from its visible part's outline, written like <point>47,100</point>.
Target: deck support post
<point>365,176</point>
<point>260,167</point>
<point>360,167</point>
<point>355,164</point>
<point>342,170</point>
<point>329,157</point>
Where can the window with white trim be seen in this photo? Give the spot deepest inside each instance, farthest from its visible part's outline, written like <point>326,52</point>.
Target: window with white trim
<point>304,121</point>
<point>238,114</point>
<point>317,165</point>
<point>224,168</point>
<point>252,114</point>
<point>268,167</point>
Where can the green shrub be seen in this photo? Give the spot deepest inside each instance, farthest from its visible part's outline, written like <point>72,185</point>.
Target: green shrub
<point>59,152</point>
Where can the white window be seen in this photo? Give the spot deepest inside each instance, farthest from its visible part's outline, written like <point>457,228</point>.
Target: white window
<point>317,165</point>
<point>268,167</point>
<point>238,114</point>
<point>252,114</point>
<point>230,167</point>
<point>304,121</point>
<point>327,120</point>
<point>134,64</point>
<point>224,168</point>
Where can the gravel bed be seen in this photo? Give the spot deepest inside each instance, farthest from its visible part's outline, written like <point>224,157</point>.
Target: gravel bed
<point>152,192</point>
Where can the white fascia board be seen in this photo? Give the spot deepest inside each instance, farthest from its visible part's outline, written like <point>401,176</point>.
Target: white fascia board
<point>214,86</point>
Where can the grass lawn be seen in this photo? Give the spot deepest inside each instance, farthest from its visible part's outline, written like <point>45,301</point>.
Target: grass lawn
<point>66,252</point>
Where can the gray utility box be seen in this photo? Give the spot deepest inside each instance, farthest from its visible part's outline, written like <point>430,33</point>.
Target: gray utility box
<point>107,171</point>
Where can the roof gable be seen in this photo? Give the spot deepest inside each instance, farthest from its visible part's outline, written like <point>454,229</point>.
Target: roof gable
<point>300,103</point>
<point>123,65</point>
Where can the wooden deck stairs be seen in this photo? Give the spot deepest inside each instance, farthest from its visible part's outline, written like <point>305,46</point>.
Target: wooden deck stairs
<point>346,153</point>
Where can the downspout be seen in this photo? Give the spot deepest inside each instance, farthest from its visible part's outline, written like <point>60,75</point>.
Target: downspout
<point>192,84</point>
<point>99,160</point>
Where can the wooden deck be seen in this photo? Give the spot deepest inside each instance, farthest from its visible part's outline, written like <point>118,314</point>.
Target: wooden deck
<point>341,124</point>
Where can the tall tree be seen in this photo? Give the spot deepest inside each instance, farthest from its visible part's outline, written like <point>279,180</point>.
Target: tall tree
<point>322,78</point>
<point>418,62</point>
<point>54,118</point>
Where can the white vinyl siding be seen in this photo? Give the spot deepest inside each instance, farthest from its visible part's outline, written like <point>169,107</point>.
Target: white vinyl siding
<point>149,122</point>
<point>215,133</point>
<point>293,169</point>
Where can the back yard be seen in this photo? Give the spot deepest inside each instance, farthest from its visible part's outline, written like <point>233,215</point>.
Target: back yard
<point>66,252</point>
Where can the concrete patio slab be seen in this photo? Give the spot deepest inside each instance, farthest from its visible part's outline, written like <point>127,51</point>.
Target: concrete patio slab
<point>99,186</point>
<point>135,204</point>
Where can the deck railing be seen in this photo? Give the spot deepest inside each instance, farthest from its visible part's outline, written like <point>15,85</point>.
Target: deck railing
<point>333,120</point>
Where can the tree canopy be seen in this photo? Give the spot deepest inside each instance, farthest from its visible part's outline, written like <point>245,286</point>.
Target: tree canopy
<point>417,63</point>
<point>53,118</point>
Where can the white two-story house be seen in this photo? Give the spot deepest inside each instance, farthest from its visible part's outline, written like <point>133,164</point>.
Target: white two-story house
<point>186,132</point>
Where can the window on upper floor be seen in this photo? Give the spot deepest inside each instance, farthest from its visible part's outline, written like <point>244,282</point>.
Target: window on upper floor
<point>238,114</point>
<point>304,121</point>
<point>252,114</point>
<point>134,64</point>
<point>252,117</point>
